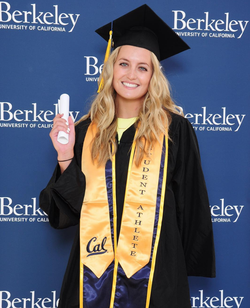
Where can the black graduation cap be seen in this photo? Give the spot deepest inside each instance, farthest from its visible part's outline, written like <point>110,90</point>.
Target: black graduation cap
<point>143,28</point>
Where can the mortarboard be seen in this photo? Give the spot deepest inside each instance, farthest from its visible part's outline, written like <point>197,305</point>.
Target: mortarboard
<point>143,28</point>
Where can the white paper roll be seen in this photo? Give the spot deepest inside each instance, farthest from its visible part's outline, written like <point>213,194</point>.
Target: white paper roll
<point>63,104</point>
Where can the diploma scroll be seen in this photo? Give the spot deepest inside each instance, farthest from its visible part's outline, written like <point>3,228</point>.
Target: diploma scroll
<point>63,104</point>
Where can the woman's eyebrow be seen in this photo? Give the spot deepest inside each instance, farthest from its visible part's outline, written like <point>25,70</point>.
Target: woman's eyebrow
<point>140,63</point>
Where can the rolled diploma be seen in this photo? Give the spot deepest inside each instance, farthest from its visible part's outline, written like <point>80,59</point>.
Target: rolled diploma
<point>63,104</point>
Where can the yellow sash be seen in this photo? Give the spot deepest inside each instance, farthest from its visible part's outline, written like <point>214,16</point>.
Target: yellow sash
<point>135,240</point>
<point>95,236</point>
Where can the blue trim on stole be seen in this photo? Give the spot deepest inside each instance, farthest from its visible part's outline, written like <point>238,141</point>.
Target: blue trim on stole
<point>130,292</point>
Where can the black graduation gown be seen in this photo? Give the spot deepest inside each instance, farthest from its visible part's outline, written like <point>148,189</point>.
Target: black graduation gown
<point>186,241</point>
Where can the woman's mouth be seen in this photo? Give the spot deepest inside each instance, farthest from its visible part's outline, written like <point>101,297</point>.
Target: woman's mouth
<point>130,85</point>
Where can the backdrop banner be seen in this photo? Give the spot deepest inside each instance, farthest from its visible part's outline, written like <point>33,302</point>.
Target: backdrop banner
<point>49,48</point>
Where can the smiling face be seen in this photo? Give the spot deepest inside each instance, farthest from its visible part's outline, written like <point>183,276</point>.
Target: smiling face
<point>132,74</point>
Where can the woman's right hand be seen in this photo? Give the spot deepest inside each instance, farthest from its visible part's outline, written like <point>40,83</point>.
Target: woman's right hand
<point>64,151</point>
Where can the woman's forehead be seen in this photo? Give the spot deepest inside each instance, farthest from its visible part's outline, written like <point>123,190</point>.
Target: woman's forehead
<point>135,53</point>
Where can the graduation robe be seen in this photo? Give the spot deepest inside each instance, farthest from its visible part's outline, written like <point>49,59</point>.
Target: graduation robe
<point>186,242</point>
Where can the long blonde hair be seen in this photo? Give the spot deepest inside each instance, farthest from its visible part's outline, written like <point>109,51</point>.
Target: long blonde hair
<point>154,117</point>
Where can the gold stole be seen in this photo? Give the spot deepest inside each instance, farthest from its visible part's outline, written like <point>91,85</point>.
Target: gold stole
<point>135,241</point>
<point>95,236</point>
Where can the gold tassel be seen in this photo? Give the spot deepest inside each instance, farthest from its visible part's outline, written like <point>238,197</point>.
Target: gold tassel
<point>107,54</point>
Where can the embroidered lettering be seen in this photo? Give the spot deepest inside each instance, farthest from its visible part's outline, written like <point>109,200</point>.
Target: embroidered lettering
<point>139,214</point>
<point>136,231</point>
<point>144,177</point>
<point>97,249</point>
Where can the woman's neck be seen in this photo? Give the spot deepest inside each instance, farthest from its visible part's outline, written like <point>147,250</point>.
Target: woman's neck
<point>126,109</point>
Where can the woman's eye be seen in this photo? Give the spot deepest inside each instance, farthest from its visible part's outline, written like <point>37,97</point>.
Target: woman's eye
<point>142,68</point>
<point>123,64</point>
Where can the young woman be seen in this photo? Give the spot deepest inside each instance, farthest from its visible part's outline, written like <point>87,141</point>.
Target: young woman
<point>131,174</point>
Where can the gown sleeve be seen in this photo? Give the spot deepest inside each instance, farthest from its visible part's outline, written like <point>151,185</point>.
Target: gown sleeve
<point>192,204</point>
<point>62,198</point>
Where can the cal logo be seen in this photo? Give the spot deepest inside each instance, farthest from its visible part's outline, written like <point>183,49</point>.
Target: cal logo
<point>94,248</point>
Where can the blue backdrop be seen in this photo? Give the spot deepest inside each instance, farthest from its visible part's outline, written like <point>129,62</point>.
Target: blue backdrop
<point>49,48</point>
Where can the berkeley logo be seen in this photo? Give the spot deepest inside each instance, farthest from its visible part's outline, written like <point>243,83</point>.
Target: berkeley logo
<point>219,301</point>
<point>92,68</point>
<point>6,300</point>
<point>46,20</point>
<point>33,117</point>
<point>225,213</point>
<point>221,121</point>
<point>214,27</point>
<point>10,212</point>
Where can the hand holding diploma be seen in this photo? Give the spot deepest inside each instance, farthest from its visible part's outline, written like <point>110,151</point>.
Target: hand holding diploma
<point>63,133</point>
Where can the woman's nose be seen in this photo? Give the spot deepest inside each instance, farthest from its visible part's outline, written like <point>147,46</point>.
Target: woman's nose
<point>131,73</point>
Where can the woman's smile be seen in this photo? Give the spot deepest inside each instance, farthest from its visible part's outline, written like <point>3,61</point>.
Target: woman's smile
<point>130,85</point>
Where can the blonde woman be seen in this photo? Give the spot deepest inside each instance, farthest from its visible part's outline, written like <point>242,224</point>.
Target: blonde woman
<point>131,177</point>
